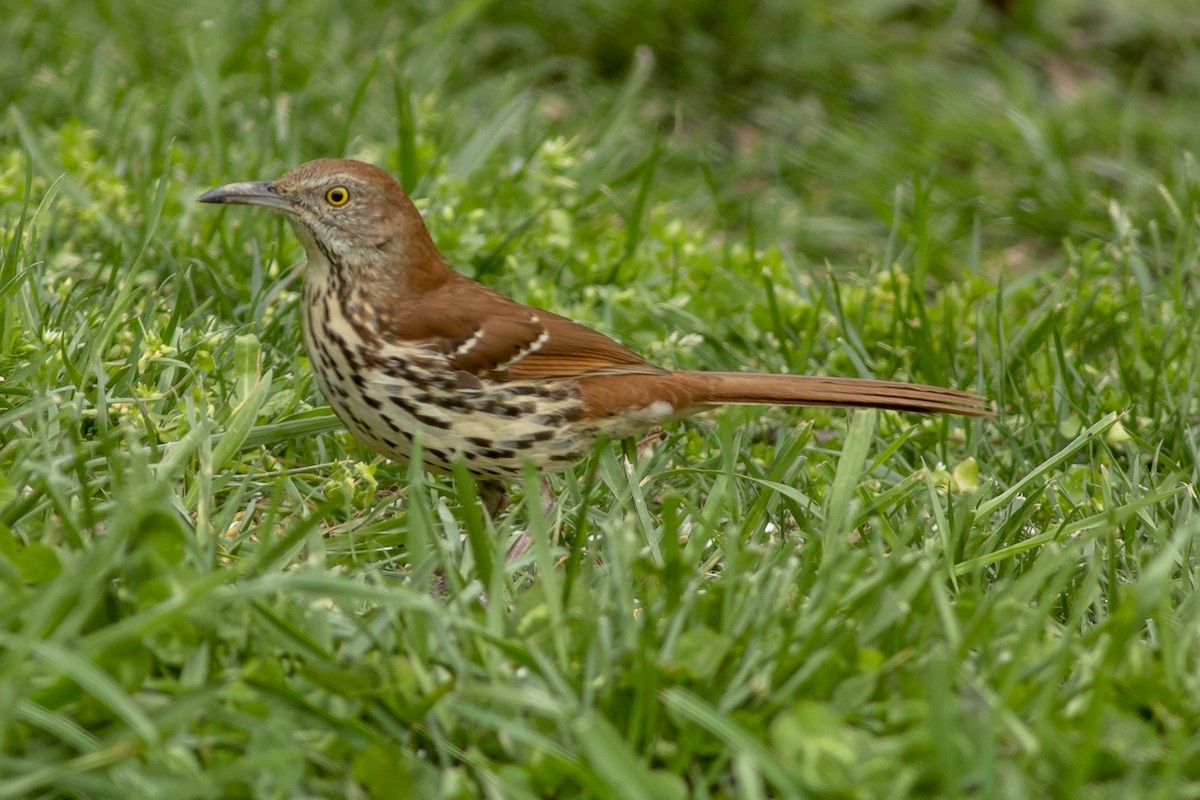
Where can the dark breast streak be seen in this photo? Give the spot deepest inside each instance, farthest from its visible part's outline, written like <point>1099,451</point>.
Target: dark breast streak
<point>390,393</point>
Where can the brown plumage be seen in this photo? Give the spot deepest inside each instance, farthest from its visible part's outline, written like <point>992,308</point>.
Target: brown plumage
<point>405,348</point>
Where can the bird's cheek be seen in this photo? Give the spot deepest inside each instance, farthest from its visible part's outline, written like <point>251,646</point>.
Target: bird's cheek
<point>372,231</point>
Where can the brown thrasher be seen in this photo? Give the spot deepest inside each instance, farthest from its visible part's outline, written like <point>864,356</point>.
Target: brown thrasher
<point>405,348</point>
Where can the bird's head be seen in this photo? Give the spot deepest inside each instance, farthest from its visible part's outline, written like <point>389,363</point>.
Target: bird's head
<point>350,215</point>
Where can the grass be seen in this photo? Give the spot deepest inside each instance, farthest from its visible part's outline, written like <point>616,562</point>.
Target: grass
<point>210,590</point>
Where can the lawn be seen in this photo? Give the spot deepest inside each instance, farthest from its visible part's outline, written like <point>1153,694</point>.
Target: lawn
<point>211,590</point>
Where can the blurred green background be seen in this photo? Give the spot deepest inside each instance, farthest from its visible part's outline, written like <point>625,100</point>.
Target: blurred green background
<point>1021,117</point>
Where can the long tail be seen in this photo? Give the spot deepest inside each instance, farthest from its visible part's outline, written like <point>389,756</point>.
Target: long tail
<point>711,388</point>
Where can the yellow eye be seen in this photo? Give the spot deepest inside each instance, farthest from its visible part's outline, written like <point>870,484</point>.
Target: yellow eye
<point>337,196</point>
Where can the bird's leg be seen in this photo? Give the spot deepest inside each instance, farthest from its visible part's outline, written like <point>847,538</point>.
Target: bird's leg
<point>494,496</point>
<point>548,496</point>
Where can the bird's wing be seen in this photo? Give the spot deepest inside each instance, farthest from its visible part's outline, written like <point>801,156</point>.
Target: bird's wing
<point>488,335</point>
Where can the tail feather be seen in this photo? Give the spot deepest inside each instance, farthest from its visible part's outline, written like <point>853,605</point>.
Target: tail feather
<point>711,388</point>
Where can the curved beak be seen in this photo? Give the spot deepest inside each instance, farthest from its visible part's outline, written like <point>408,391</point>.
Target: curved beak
<point>248,193</point>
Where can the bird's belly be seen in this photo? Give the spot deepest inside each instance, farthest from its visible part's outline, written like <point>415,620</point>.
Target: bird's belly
<point>388,402</point>
<point>496,429</point>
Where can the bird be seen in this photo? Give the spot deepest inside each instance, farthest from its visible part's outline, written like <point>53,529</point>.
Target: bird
<point>405,349</point>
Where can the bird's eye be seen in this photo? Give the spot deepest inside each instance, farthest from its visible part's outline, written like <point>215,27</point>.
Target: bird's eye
<point>337,196</point>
